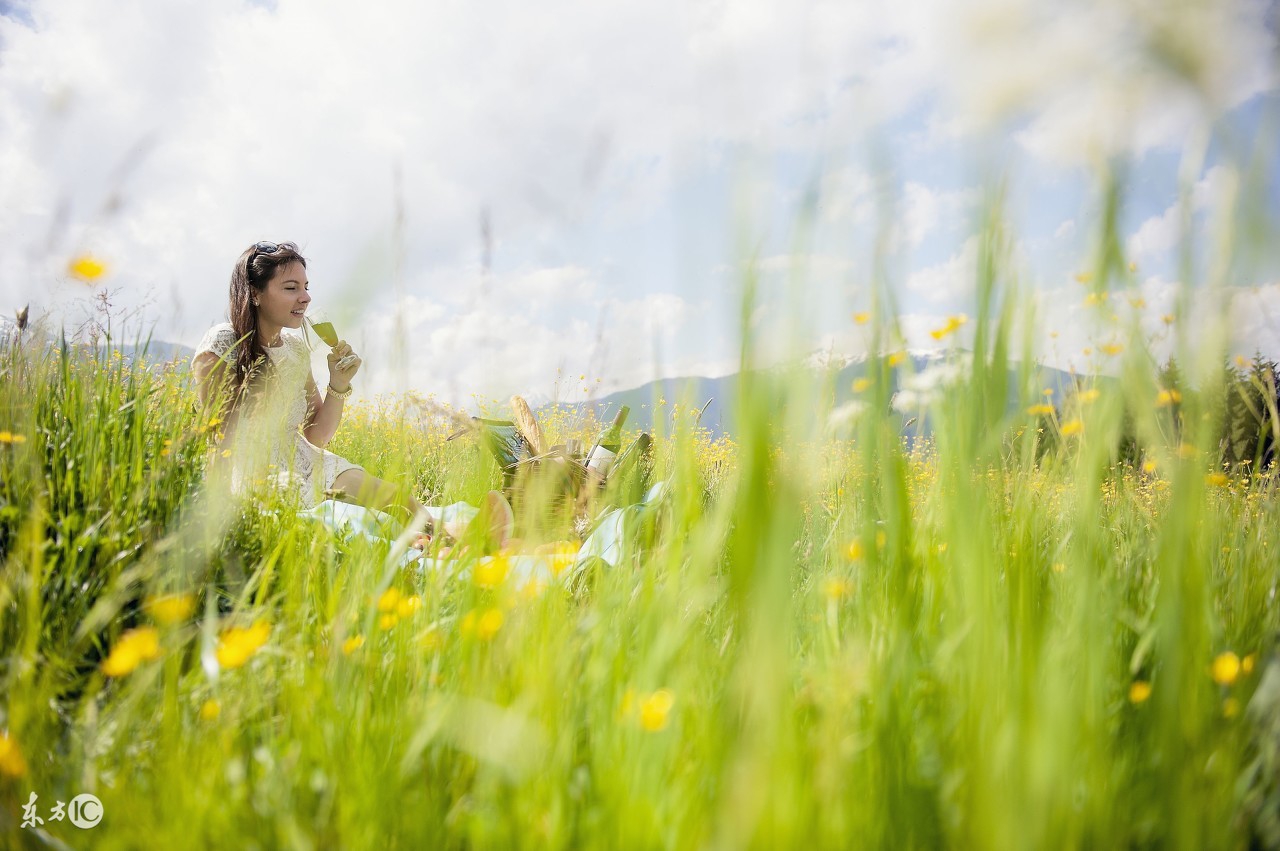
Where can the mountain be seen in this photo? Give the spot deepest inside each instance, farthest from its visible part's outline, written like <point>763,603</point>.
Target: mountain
<point>719,395</point>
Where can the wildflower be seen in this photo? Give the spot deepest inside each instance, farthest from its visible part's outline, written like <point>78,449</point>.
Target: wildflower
<point>1167,397</point>
<point>1111,348</point>
<point>493,572</point>
<point>953,323</point>
<point>388,621</point>
<point>1040,410</point>
<point>1047,392</point>
<point>1217,480</point>
<point>1139,691</point>
<point>897,358</point>
<point>86,268</point>
<point>1090,395</point>
<point>1087,351</point>
<point>560,555</point>
<point>1168,319</point>
<point>389,600</point>
<point>1149,466</point>
<point>483,625</point>
<point>210,710</point>
<point>408,605</point>
<point>132,649</point>
<point>1247,663</point>
<point>8,437</point>
<point>854,551</point>
<point>1059,567</point>
<point>238,644</point>
<point>12,762</point>
<point>352,644</point>
<point>226,453</point>
<point>1133,267</point>
<point>862,318</point>
<point>861,384</point>
<point>1072,427</point>
<point>1226,668</point>
<point>628,705</point>
<point>655,710</point>
<point>1084,277</point>
<point>1095,299</point>
<point>1240,361</point>
<point>170,608</point>
<point>836,589</point>
<point>1139,302</point>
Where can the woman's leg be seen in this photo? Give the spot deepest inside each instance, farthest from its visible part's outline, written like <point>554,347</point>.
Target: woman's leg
<point>372,492</point>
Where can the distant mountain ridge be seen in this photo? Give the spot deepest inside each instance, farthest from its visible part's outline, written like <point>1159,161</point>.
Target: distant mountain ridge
<point>719,395</point>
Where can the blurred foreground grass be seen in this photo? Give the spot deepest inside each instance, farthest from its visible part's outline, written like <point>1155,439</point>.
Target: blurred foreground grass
<point>1015,635</point>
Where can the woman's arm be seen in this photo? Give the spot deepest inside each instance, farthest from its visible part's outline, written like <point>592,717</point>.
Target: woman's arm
<point>326,414</point>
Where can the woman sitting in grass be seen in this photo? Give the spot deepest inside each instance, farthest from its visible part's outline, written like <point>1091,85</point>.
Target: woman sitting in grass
<point>277,420</point>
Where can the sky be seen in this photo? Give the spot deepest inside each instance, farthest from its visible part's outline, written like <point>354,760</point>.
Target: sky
<point>565,198</point>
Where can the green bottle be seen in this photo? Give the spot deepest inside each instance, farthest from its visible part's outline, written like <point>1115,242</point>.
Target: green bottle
<point>608,444</point>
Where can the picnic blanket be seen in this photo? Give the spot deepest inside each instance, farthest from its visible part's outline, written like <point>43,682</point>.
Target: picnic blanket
<point>606,542</point>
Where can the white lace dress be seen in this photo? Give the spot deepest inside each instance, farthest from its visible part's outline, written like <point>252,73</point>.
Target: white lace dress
<point>267,441</point>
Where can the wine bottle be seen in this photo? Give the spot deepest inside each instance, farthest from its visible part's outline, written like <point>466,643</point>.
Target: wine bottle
<point>608,444</point>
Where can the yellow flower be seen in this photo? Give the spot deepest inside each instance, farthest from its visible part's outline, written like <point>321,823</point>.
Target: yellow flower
<point>1149,466</point>
<point>9,437</point>
<point>1241,362</point>
<point>560,555</point>
<point>1095,298</point>
<point>897,358</point>
<point>1090,395</point>
<point>862,318</point>
<point>1084,277</point>
<point>387,621</point>
<point>861,384</point>
<point>836,589</point>
<point>1167,397</point>
<point>1218,480</point>
<point>408,605</point>
<point>389,600</point>
<point>12,762</point>
<point>1187,451</point>
<point>210,710</point>
<point>132,649</point>
<point>1247,663</point>
<point>492,573</point>
<point>1111,348</point>
<point>1168,318</point>
<point>1072,427</point>
<point>1226,668</point>
<point>171,608</point>
<point>1059,567</point>
<point>1139,691</point>
<point>483,625</point>
<point>854,551</point>
<point>86,268</point>
<point>238,644</point>
<point>226,453</point>
<point>952,324</point>
<point>352,644</point>
<point>655,710</point>
<point>1040,410</point>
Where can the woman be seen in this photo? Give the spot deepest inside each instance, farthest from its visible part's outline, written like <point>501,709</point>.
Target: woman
<point>277,420</point>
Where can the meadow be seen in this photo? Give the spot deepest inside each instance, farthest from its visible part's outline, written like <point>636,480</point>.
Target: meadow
<point>1017,634</point>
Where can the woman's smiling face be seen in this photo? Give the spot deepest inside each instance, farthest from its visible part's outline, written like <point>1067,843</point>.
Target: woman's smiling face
<point>285,298</point>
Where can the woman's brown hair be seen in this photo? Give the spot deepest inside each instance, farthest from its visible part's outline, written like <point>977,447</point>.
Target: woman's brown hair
<point>253,271</point>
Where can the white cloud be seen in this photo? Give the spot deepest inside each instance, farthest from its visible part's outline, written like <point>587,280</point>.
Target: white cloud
<point>1158,235</point>
<point>951,280</point>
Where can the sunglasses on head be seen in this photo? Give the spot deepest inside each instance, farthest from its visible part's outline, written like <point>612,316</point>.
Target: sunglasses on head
<point>270,248</point>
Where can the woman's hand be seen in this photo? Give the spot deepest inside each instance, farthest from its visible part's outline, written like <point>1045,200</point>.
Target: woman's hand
<point>340,378</point>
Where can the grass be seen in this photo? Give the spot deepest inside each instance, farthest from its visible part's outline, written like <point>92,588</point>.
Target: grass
<point>823,642</point>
